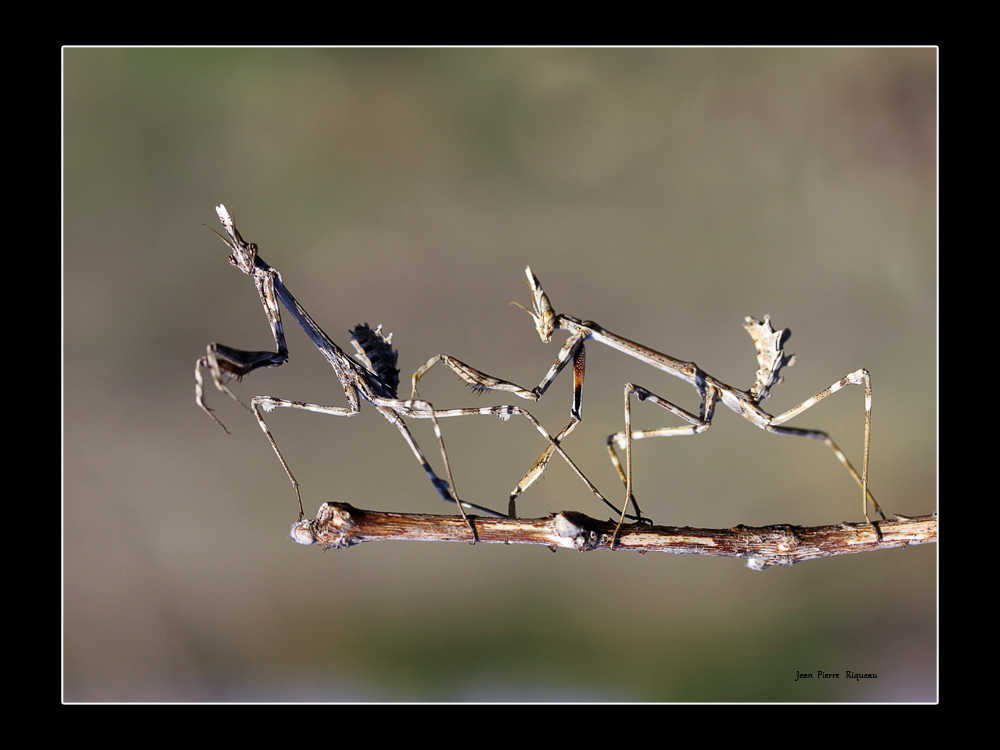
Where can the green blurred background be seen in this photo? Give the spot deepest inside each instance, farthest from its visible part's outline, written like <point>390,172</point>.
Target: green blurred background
<point>665,193</point>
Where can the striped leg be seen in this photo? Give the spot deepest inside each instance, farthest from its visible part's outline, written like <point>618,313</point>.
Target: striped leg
<point>505,413</point>
<point>574,351</point>
<point>479,381</point>
<point>858,377</point>
<point>267,403</point>
<point>444,488</point>
<point>624,439</point>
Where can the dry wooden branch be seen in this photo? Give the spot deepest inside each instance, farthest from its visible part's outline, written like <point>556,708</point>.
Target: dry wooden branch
<point>339,526</point>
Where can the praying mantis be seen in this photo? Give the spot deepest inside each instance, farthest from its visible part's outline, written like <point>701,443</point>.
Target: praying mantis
<point>373,377</point>
<point>771,359</point>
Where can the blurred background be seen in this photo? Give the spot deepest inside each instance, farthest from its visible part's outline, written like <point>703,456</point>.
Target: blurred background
<point>665,193</point>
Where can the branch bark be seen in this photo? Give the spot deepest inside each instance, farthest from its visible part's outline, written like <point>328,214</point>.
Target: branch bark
<point>339,526</point>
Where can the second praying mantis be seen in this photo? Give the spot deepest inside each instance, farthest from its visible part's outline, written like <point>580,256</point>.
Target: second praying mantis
<point>771,359</point>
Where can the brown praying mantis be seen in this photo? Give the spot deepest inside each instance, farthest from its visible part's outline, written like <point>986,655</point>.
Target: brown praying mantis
<point>771,358</point>
<point>373,377</point>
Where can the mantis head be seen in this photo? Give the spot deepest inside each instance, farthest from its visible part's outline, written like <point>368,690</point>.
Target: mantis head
<point>244,253</point>
<point>543,314</point>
